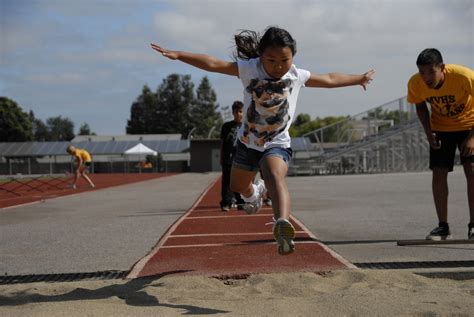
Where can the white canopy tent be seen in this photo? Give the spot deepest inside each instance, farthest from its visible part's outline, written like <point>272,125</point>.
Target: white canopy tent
<point>139,153</point>
<point>140,149</point>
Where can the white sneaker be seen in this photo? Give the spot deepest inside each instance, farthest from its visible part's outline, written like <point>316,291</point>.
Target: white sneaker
<point>254,206</point>
<point>284,233</point>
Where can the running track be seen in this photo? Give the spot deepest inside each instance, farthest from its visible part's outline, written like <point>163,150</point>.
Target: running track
<point>13,193</point>
<point>206,241</point>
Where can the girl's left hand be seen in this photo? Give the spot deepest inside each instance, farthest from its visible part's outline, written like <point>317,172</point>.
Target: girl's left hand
<point>367,78</point>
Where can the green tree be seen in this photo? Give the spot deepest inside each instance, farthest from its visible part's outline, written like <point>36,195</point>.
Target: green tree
<point>143,113</point>
<point>40,130</point>
<point>15,124</point>
<point>303,125</point>
<point>175,108</point>
<point>396,116</point>
<point>301,119</point>
<point>60,129</point>
<point>84,129</point>
<point>175,97</point>
<point>203,113</point>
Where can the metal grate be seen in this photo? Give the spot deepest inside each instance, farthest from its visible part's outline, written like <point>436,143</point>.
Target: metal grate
<point>62,277</point>
<point>415,265</point>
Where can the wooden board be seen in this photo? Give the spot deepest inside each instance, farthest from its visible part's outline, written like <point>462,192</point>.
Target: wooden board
<point>434,242</point>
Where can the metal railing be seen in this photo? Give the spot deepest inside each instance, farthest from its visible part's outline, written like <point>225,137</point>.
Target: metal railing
<point>387,138</point>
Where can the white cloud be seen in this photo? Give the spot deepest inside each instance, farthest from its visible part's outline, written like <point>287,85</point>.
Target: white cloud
<point>96,53</point>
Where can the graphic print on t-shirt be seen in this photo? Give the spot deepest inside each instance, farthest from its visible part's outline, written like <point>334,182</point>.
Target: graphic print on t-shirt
<point>268,114</point>
<point>446,105</point>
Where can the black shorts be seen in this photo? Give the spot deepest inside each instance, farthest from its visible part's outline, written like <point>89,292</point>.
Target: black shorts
<point>444,157</point>
<point>88,164</point>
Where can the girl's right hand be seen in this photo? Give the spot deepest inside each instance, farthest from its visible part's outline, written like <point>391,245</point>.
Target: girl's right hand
<point>166,53</point>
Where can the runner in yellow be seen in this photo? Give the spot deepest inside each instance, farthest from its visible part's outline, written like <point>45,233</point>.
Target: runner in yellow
<point>83,163</point>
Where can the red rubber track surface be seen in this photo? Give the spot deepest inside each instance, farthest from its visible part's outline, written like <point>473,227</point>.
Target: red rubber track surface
<point>28,191</point>
<point>207,241</point>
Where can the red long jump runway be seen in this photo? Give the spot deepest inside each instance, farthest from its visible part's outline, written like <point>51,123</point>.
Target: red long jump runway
<point>206,241</point>
<point>14,194</point>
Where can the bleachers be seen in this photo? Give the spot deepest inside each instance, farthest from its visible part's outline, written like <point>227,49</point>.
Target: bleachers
<point>387,138</point>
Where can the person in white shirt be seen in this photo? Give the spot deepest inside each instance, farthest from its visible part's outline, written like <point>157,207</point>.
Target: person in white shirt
<point>271,84</point>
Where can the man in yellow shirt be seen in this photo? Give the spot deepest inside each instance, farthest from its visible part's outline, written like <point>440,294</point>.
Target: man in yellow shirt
<point>83,163</point>
<point>449,89</point>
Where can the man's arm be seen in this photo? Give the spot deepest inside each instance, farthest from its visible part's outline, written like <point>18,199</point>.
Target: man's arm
<point>424,116</point>
<point>79,162</point>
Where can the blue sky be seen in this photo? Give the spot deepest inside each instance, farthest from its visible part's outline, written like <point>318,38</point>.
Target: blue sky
<point>88,60</point>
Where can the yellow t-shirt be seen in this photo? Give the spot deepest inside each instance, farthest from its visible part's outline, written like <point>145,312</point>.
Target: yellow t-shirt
<point>452,105</point>
<point>83,154</point>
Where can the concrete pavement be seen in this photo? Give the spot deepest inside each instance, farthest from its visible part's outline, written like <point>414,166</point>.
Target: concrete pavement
<point>358,216</point>
<point>362,216</point>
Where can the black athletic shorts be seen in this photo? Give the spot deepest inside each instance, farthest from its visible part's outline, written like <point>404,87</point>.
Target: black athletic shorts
<point>444,157</point>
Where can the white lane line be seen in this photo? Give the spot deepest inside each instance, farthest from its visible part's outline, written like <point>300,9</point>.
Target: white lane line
<point>223,234</point>
<point>339,257</point>
<point>228,216</point>
<point>138,267</point>
<point>226,244</point>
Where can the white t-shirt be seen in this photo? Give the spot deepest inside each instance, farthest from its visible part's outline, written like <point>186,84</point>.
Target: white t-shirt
<point>269,105</point>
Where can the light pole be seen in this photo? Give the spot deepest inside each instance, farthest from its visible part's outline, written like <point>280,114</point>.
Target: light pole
<point>190,133</point>
<point>210,132</point>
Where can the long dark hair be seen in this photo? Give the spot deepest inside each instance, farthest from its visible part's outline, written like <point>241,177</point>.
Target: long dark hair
<point>249,44</point>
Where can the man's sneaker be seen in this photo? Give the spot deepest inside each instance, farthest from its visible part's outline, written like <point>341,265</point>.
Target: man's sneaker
<point>254,206</point>
<point>284,233</point>
<point>470,232</point>
<point>439,233</point>
<point>267,202</point>
<point>225,208</point>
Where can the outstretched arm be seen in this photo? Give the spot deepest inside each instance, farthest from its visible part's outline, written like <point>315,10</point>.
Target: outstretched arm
<point>333,80</point>
<point>201,61</point>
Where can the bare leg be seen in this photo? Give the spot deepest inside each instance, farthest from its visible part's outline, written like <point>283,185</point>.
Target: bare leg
<point>241,181</point>
<point>76,177</point>
<point>84,174</point>
<point>469,172</point>
<point>274,172</point>
<point>440,192</point>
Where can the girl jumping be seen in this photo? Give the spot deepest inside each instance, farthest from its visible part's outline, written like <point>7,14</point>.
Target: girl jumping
<point>271,82</point>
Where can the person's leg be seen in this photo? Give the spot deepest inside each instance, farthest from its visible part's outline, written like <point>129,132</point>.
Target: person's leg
<point>226,194</point>
<point>440,192</point>
<point>238,200</point>
<point>267,201</point>
<point>469,172</point>
<point>242,174</point>
<point>274,171</point>
<point>441,163</point>
<point>77,174</point>
<point>84,174</point>
<point>274,166</point>
<point>241,181</point>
